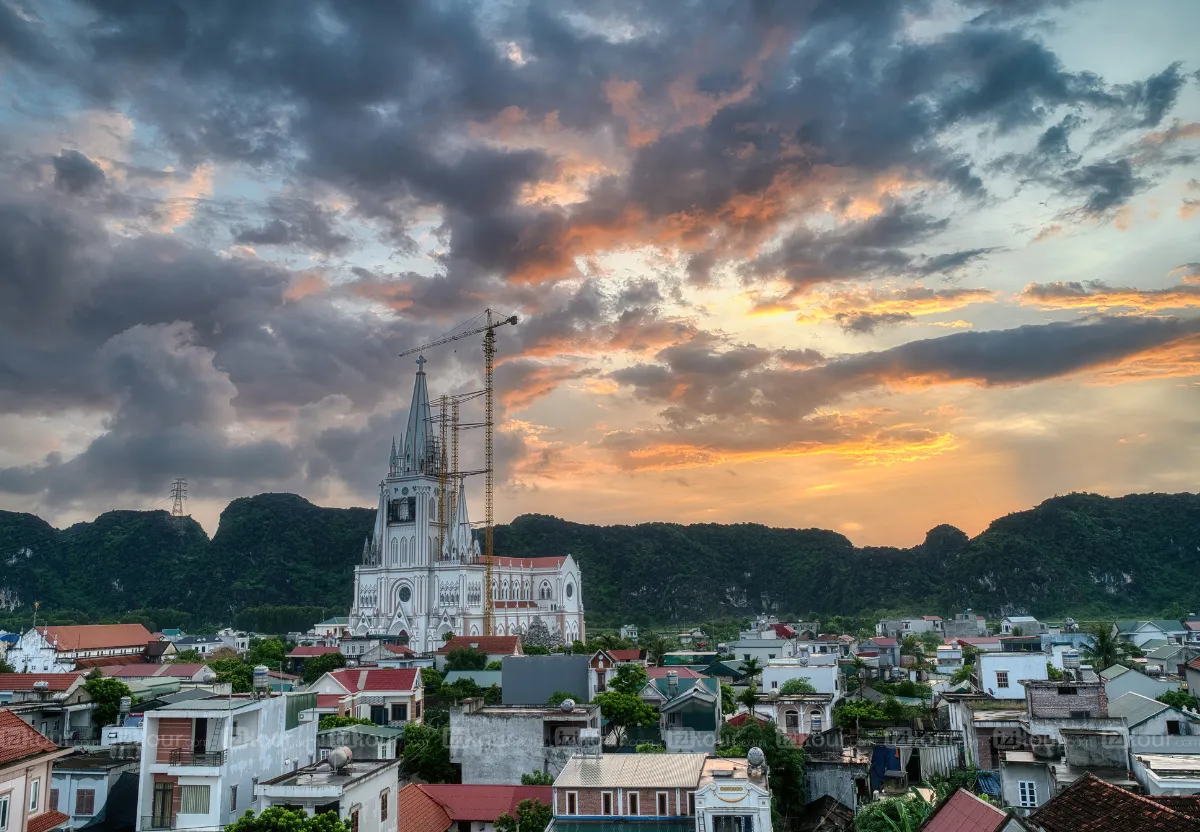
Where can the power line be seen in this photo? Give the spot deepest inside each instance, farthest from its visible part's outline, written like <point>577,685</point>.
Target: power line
<point>179,496</point>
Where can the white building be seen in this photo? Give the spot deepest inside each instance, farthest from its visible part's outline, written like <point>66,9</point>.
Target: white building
<point>1000,674</point>
<point>1027,625</point>
<point>423,578</point>
<point>201,759</point>
<point>949,658</point>
<point>362,792</point>
<point>83,781</point>
<point>732,796</point>
<point>824,678</point>
<point>63,649</point>
<point>386,696</point>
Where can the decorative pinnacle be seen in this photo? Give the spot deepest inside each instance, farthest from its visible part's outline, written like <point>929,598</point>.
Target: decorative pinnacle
<point>420,363</point>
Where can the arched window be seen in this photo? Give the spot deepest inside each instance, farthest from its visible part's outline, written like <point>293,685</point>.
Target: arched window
<point>545,593</point>
<point>432,509</point>
<point>791,721</point>
<point>395,551</point>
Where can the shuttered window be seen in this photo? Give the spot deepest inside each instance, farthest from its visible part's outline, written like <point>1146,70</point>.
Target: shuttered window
<point>193,800</point>
<point>85,802</point>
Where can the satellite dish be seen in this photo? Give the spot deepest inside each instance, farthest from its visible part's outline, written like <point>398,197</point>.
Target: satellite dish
<point>755,757</point>
<point>567,705</point>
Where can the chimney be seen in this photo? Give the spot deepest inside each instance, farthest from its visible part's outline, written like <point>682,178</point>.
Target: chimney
<point>672,683</point>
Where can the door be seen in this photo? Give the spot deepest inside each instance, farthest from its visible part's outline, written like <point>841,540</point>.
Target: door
<point>164,795</point>
<point>379,714</point>
<point>200,736</point>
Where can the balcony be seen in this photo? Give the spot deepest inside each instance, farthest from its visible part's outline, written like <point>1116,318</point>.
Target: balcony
<point>188,757</point>
<point>156,822</point>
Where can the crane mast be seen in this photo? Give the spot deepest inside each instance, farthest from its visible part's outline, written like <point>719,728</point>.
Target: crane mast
<point>488,330</point>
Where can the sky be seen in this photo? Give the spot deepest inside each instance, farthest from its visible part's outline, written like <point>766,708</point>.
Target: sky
<point>867,266</point>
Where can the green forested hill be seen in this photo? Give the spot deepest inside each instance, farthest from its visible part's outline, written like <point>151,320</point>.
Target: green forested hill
<point>1076,554</point>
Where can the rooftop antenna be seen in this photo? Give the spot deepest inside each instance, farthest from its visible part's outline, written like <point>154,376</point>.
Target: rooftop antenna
<point>179,495</point>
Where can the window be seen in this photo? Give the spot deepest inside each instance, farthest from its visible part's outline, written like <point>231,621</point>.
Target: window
<point>399,713</point>
<point>4,812</point>
<point>383,804</point>
<point>733,823</point>
<point>572,803</point>
<point>691,804</point>
<point>54,799</point>
<point>606,803</point>
<point>1080,714</point>
<point>1027,793</point>
<point>354,821</point>
<point>1173,728</point>
<point>774,684</point>
<point>35,792</point>
<point>1068,690</point>
<point>193,800</point>
<point>634,800</point>
<point>1001,678</point>
<point>663,801</point>
<point>233,798</point>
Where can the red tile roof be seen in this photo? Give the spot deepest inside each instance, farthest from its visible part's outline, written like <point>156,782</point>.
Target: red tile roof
<point>98,636</point>
<point>399,649</point>
<point>356,679</point>
<point>109,661</point>
<point>740,719</point>
<point>931,618</point>
<point>797,740</point>
<point>57,682</point>
<point>481,802</point>
<point>418,812</point>
<point>625,655</point>
<point>1192,625</point>
<point>47,820</point>
<point>783,630</point>
<point>1091,805</point>
<point>883,642</point>
<point>329,700</point>
<point>492,645</point>
<point>529,563</point>
<point>964,812</point>
<point>1188,804</point>
<point>1194,664</point>
<point>684,672</point>
<point>306,652</point>
<point>18,740</point>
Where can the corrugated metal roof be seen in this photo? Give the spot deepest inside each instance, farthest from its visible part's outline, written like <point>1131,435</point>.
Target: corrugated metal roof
<point>1135,708</point>
<point>640,770</point>
<point>1113,672</point>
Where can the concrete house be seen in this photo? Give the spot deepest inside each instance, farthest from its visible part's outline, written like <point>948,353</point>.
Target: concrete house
<point>459,807</point>
<point>26,759</point>
<point>1119,680</point>
<point>1000,674</point>
<point>202,758</point>
<point>799,714</point>
<point>966,624</point>
<point>187,673</point>
<point>887,650</point>
<point>84,780</point>
<point>1140,633</point>
<point>602,667</point>
<point>498,743</point>
<point>55,704</point>
<point>1157,727</point>
<point>823,676</point>
<point>363,793</point>
<point>1025,625</point>
<point>384,696</point>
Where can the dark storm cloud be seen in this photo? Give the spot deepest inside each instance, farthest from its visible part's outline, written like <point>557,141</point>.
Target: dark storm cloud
<point>374,99</point>
<point>1023,355</point>
<point>865,323</point>
<point>300,222</point>
<point>75,172</point>
<point>1104,185</point>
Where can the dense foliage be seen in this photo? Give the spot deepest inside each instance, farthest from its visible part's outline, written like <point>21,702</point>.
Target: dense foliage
<point>785,763</point>
<point>537,778</point>
<point>427,754</point>
<point>331,721</point>
<point>106,696</point>
<point>279,563</point>
<point>531,815</point>
<point>279,819</point>
<point>465,658</point>
<point>1180,699</point>
<point>318,666</point>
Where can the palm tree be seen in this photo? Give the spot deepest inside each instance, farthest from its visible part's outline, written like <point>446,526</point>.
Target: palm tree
<point>857,679</point>
<point>1105,649</point>
<point>751,667</point>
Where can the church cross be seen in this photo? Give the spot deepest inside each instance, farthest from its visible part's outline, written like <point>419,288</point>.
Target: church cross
<point>420,363</point>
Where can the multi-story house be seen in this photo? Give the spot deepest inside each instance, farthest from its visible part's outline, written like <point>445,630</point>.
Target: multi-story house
<point>602,666</point>
<point>822,673</point>
<point>1000,674</point>
<point>64,649</point>
<point>496,744</point>
<point>26,758</point>
<point>965,624</point>
<point>363,793</point>
<point>661,792</point>
<point>385,696</point>
<point>901,627</point>
<point>797,714</point>
<point>689,707</point>
<point>202,758</point>
<point>887,651</point>
<point>84,780</point>
<point>1021,625</point>
<point>55,704</point>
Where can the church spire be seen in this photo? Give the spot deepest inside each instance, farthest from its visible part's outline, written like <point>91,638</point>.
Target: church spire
<point>416,438</point>
<point>393,460</point>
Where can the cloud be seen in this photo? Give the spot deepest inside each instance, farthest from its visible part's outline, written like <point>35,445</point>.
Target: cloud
<point>1097,295</point>
<point>300,222</point>
<point>1106,185</point>
<point>864,310</point>
<point>76,173</point>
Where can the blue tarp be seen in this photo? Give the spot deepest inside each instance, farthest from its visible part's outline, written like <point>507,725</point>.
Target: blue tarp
<point>883,758</point>
<point>989,783</point>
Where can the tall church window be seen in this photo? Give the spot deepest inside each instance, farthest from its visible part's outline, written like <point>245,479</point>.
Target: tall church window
<point>404,551</point>
<point>395,551</point>
<point>545,593</point>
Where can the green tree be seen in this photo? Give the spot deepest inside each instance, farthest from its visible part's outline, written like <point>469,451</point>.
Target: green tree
<point>624,711</point>
<point>1180,699</point>
<point>850,712</point>
<point>191,656</point>
<point>537,778</point>
<point>629,679</point>
<point>493,695</point>
<point>427,754</point>
<point>495,664</point>
<point>650,748</point>
<point>532,816</point>
<point>785,762</point>
<point>106,696</point>
<point>930,642</point>
<point>5,667</point>
<point>1053,673</point>
<point>318,666</point>
<point>751,667</point>
<point>1105,649</point>
<point>446,636</point>
<point>728,699</point>
<point>236,672</point>
<point>895,814</point>
<point>269,651</point>
<point>331,721</point>
<point>466,658</point>
<point>909,645</point>
<point>279,819</point>
<point>431,679</point>
<point>794,686</point>
<point>749,697</point>
<point>535,650</point>
<point>555,699</point>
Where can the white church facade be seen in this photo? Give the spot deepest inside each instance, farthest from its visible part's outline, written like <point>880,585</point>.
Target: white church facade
<point>421,579</point>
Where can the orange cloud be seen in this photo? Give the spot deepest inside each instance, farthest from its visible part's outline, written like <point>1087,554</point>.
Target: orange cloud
<point>524,382</point>
<point>847,306</point>
<point>305,283</point>
<point>1095,295</point>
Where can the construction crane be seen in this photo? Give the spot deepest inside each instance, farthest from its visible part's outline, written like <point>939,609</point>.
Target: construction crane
<point>488,329</point>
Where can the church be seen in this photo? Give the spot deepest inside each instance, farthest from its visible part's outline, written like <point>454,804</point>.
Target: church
<point>422,579</point>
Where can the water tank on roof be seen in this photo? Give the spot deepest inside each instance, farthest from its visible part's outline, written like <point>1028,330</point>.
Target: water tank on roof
<point>262,678</point>
<point>1070,659</point>
<point>41,686</point>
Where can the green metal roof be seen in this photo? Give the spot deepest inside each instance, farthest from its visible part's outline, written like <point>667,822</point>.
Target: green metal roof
<point>1113,672</point>
<point>337,620</point>
<point>1136,708</point>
